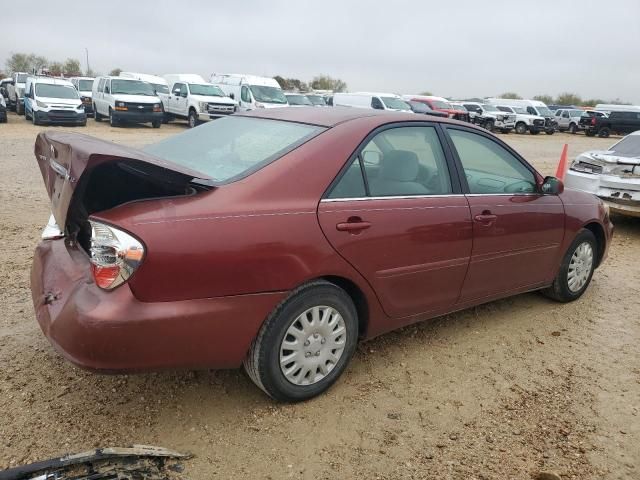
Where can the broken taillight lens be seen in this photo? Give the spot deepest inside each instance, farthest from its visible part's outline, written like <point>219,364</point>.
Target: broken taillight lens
<point>115,255</point>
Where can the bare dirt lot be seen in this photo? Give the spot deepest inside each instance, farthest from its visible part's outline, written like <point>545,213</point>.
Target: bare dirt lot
<point>501,391</point>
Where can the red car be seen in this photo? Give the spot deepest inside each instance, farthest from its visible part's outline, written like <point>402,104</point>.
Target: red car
<point>278,238</point>
<point>440,104</point>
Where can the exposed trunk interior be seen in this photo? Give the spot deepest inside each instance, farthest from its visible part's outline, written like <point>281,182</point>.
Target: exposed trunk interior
<point>115,183</point>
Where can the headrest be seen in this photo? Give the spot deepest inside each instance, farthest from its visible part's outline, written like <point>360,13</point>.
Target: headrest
<point>399,165</point>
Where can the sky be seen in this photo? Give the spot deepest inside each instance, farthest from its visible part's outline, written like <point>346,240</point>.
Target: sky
<point>453,48</point>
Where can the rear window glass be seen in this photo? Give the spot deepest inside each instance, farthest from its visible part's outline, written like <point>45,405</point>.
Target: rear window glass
<point>233,147</point>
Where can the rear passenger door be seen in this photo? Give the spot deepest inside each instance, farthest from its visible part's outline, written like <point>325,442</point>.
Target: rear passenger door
<point>517,231</point>
<point>396,213</point>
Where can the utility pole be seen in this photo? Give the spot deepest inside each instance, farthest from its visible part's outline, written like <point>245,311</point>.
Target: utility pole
<point>88,67</point>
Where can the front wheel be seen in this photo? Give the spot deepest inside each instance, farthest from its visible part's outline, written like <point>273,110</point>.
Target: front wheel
<point>305,344</point>
<point>112,121</point>
<point>576,269</point>
<point>156,123</point>
<point>549,132</point>
<point>96,116</point>
<point>604,132</point>
<point>489,125</point>
<point>193,119</point>
<point>521,128</point>
<point>590,133</point>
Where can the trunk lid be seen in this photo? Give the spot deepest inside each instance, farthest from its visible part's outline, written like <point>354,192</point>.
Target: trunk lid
<point>64,157</point>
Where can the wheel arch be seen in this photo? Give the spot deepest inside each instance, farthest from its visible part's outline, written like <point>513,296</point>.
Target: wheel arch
<point>601,239</point>
<point>357,296</point>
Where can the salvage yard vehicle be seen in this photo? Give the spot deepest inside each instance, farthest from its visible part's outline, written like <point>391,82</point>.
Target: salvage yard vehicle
<point>160,86</point>
<point>220,246</point>
<point>613,175</point>
<point>377,101</point>
<point>125,100</point>
<point>619,122</point>
<point>250,91</point>
<point>440,104</point>
<point>195,100</point>
<point>533,107</point>
<point>423,108</point>
<point>490,117</point>
<point>3,110</point>
<point>568,119</point>
<point>50,100</point>
<point>296,99</point>
<point>84,85</point>
<point>15,90</point>
<point>525,122</point>
<point>317,100</point>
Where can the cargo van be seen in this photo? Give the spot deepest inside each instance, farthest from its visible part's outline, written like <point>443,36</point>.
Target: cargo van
<point>84,85</point>
<point>378,101</point>
<point>159,84</point>
<point>126,100</point>
<point>195,100</point>
<point>50,100</point>
<point>250,91</point>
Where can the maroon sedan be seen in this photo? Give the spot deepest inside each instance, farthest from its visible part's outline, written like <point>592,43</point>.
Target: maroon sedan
<point>278,238</point>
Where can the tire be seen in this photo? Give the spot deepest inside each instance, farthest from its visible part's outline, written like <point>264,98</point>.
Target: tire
<point>488,125</point>
<point>112,121</point>
<point>534,132</point>
<point>590,133</point>
<point>156,123</point>
<point>96,116</point>
<point>505,130</point>
<point>263,362</point>
<point>561,289</point>
<point>19,108</point>
<point>26,116</point>
<point>604,132</point>
<point>521,128</point>
<point>192,119</point>
<point>573,128</point>
<point>549,132</point>
<point>34,118</point>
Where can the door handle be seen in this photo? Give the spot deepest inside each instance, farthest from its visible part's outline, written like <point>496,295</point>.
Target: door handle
<point>485,217</point>
<point>353,226</point>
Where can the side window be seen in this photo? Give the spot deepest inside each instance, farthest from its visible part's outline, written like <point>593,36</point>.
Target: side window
<point>177,88</point>
<point>558,113</point>
<point>399,161</point>
<point>184,90</point>
<point>101,85</point>
<point>531,111</point>
<point>489,167</point>
<point>107,86</point>
<point>376,103</point>
<point>565,114</point>
<point>244,94</point>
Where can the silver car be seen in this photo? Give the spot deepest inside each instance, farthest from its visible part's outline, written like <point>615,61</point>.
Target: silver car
<point>568,119</point>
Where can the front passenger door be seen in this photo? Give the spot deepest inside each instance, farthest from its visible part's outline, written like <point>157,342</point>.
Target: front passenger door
<point>517,231</point>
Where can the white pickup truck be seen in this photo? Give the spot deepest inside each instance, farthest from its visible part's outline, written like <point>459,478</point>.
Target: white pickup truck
<point>191,98</point>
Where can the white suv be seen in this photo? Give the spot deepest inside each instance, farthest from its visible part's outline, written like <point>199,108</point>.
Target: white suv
<point>123,100</point>
<point>525,122</point>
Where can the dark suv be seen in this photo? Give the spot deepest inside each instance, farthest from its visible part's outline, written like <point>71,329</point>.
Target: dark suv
<point>617,122</point>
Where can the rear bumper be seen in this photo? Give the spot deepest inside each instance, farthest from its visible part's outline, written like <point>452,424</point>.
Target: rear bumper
<point>70,117</point>
<point>112,331</point>
<point>137,117</point>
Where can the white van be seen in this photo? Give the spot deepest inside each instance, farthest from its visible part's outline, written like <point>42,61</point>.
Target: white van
<point>159,84</point>
<point>378,101</point>
<point>52,100</point>
<point>250,91</point>
<point>608,108</point>
<point>192,98</point>
<point>126,100</point>
<point>533,107</point>
<point>84,85</point>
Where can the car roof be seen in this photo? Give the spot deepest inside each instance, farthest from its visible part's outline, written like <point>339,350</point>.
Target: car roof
<point>52,81</point>
<point>330,117</point>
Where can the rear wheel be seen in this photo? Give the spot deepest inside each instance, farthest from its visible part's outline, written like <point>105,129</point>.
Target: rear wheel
<point>489,125</point>
<point>19,108</point>
<point>604,132</point>
<point>573,128</point>
<point>193,119</point>
<point>549,132</point>
<point>156,123</point>
<point>521,128</point>
<point>590,133</point>
<point>96,116</point>
<point>576,269</point>
<point>305,344</point>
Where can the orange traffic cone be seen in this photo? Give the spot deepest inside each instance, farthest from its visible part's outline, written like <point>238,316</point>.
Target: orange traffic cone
<point>562,164</point>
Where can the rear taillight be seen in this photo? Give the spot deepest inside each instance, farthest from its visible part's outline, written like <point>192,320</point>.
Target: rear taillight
<point>593,121</point>
<point>115,255</point>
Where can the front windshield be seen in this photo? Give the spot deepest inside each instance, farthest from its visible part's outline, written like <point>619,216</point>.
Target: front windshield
<point>233,147</point>
<point>47,90</point>
<point>317,100</point>
<point>132,87</point>
<point>441,105</point>
<point>395,103</point>
<point>268,94</point>
<point>520,110</point>
<point>85,85</point>
<point>544,111</point>
<point>22,78</point>
<point>160,88</point>
<point>490,108</point>
<point>629,146</point>
<point>207,90</point>
<point>298,100</point>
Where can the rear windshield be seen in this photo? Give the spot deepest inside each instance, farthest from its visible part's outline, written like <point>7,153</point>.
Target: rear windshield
<point>208,90</point>
<point>316,100</point>
<point>132,87</point>
<point>233,147</point>
<point>298,100</point>
<point>48,90</point>
<point>629,146</point>
<point>85,85</point>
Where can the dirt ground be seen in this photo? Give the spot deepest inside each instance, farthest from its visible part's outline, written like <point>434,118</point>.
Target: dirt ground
<point>501,391</point>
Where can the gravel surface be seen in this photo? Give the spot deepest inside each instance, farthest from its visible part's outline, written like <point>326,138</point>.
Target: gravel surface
<point>508,390</point>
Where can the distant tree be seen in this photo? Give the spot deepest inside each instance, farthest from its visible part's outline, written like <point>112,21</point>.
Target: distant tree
<point>511,95</point>
<point>115,72</point>
<point>37,62</point>
<point>56,69</point>
<point>291,84</point>
<point>548,99</point>
<point>71,67</point>
<point>426,94</point>
<point>281,81</point>
<point>568,98</point>
<point>23,62</point>
<point>325,82</point>
<point>592,102</point>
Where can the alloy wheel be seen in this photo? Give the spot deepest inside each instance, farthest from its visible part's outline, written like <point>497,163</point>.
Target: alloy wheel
<point>312,345</point>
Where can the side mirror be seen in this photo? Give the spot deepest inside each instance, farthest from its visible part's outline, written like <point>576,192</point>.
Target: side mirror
<point>232,96</point>
<point>552,186</point>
